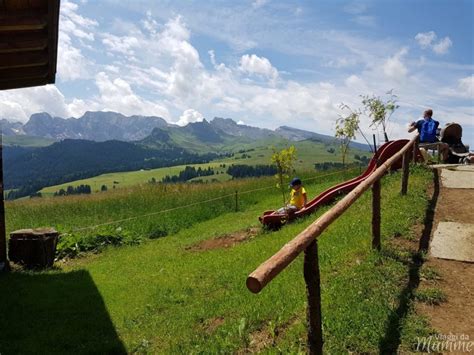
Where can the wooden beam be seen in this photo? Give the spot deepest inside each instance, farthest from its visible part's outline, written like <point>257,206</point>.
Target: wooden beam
<point>23,60</point>
<point>20,22</point>
<point>24,83</point>
<point>268,270</point>
<point>53,31</point>
<point>25,45</point>
<point>23,73</point>
<point>23,4</point>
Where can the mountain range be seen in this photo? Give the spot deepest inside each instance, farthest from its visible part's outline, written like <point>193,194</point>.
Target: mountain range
<point>102,126</point>
<point>99,142</point>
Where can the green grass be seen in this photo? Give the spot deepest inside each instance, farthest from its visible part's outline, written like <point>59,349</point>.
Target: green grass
<point>163,297</point>
<point>431,296</point>
<point>125,179</point>
<point>308,154</point>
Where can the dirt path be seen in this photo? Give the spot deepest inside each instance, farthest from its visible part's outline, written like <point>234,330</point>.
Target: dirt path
<point>225,241</point>
<point>455,316</point>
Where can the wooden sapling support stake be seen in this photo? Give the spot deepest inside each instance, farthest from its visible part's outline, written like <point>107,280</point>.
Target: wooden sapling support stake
<point>406,172</point>
<point>313,293</point>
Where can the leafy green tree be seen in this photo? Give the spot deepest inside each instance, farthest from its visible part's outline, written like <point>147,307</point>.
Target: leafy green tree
<point>103,188</point>
<point>346,128</point>
<point>283,161</point>
<point>380,110</point>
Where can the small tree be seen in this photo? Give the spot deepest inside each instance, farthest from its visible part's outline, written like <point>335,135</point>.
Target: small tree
<point>284,163</point>
<point>379,110</point>
<point>346,128</point>
<point>103,188</point>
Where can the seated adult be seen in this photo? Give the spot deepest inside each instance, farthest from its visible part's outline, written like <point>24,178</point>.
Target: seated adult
<point>427,128</point>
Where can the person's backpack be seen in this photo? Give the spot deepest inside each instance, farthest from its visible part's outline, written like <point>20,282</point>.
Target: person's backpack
<point>428,131</point>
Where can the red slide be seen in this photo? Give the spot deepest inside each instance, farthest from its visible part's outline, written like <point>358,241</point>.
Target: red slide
<point>274,220</point>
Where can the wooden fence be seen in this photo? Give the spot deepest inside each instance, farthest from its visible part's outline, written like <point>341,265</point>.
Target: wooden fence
<point>307,241</point>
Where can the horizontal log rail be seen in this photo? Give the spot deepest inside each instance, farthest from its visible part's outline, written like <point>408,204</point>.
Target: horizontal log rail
<point>258,279</point>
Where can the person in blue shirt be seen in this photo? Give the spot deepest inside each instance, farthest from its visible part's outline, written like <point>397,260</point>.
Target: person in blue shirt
<point>427,128</point>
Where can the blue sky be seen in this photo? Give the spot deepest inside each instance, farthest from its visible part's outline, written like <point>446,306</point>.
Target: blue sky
<point>261,62</point>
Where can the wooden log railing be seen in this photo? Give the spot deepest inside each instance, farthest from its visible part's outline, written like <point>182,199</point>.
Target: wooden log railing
<point>307,241</point>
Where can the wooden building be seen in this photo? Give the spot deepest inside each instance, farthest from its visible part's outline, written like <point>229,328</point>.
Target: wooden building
<point>28,57</point>
<point>28,42</point>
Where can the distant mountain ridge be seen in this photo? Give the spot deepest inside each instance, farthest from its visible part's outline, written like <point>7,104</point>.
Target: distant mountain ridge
<point>96,126</point>
<point>102,126</point>
<point>139,142</point>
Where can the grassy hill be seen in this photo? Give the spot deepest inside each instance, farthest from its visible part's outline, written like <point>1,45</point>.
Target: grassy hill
<point>174,295</point>
<point>309,153</point>
<point>128,178</point>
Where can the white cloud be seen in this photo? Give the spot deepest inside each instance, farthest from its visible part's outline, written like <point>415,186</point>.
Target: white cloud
<point>442,47</point>
<point>124,45</point>
<point>253,64</point>
<point>463,90</point>
<point>117,95</point>
<point>189,116</point>
<point>240,122</point>
<point>354,81</point>
<point>20,104</point>
<point>467,84</point>
<point>72,64</point>
<point>394,68</point>
<point>427,40</point>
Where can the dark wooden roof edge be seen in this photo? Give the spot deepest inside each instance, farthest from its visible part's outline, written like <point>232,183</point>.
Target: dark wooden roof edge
<point>29,31</point>
<point>53,19</point>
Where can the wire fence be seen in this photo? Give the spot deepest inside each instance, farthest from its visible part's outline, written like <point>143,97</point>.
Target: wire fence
<point>79,229</point>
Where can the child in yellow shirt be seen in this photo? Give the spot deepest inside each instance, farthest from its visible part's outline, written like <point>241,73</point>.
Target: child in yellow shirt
<point>298,197</point>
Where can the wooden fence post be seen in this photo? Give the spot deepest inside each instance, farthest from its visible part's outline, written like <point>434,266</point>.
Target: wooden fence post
<point>313,292</point>
<point>376,214</point>
<point>415,151</point>
<point>406,172</point>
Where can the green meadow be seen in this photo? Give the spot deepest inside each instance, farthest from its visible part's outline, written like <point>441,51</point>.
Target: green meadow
<point>128,178</point>
<point>309,153</point>
<point>168,294</point>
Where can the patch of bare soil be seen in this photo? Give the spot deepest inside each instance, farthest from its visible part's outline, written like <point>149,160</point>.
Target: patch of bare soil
<point>457,313</point>
<point>265,338</point>
<point>457,278</point>
<point>225,241</point>
<point>455,205</point>
<point>212,324</point>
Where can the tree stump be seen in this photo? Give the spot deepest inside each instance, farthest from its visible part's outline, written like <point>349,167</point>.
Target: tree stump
<point>33,247</point>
